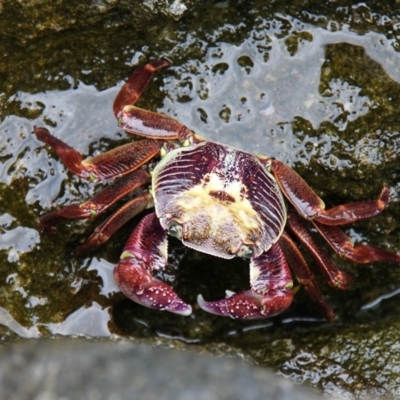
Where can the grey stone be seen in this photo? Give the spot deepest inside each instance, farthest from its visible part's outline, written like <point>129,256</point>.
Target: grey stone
<point>76,369</point>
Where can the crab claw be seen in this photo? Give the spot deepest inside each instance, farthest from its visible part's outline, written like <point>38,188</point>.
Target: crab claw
<point>140,286</point>
<point>145,252</point>
<point>248,305</point>
<point>270,293</point>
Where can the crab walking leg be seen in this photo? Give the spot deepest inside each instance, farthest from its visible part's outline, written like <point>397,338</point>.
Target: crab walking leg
<point>361,254</point>
<point>304,275</point>
<point>270,294</point>
<point>142,122</point>
<point>100,202</point>
<point>108,227</point>
<point>335,277</point>
<point>136,84</point>
<point>146,251</point>
<point>152,125</point>
<point>112,164</point>
<point>311,207</point>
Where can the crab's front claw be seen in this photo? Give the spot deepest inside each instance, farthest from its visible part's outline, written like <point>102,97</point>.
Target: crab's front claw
<point>249,305</point>
<point>145,252</point>
<point>140,286</point>
<point>271,290</point>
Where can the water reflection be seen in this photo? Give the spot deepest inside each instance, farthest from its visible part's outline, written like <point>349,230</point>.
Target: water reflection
<point>16,240</point>
<point>87,321</point>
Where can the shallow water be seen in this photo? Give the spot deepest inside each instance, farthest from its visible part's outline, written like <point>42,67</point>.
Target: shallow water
<point>317,89</point>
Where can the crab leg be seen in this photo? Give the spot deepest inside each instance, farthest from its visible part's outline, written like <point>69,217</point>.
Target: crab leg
<point>270,294</point>
<point>311,207</point>
<point>136,84</point>
<point>361,254</point>
<point>335,277</point>
<point>100,202</point>
<point>152,125</point>
<point>304,275</point>
<point>112,164</point>
<point>146,251</point>
<point>108,227</point>
<point>142,122</point>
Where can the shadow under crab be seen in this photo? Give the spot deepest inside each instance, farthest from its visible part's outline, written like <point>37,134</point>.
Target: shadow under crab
<point>217,200</point>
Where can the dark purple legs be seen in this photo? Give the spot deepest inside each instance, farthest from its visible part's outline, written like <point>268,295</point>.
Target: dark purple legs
<point>143,122</point>
<point>122,162</point>
<point>311,207</point>
<point>304,275</point>
<point>115,163</point>
<point>100,203</point>
<point>333,275</point>
<point>136,84</point>
<point>327,222</point>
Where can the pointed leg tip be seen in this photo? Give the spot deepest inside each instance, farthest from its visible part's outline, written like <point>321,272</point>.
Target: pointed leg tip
<point>201,302</point>
<point>330,316</point>
<point>385,195</point>
<point>156,65</point>
<point>46,228</point>
<point>40,131</point>
<point>180,308</point>
<point>212,307</point>
<point>176,305</point>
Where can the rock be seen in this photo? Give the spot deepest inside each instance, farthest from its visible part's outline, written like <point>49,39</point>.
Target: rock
<point>77,369</point>
<point>36,18</point>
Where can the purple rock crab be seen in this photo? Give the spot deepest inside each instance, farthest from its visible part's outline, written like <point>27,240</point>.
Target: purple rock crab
<point>217,200</point>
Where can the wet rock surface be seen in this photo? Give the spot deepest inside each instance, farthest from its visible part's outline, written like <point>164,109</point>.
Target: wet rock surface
<point>315,85</point>
<point>73,369</point>
<point>32,19</point>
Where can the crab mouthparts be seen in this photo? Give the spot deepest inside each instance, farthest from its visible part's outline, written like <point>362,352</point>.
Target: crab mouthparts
<point>210,247</point>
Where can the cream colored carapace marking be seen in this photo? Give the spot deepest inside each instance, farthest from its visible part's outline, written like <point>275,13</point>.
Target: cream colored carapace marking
<point>240,211</point>
<point>254,274</point>
<point>163,250</point>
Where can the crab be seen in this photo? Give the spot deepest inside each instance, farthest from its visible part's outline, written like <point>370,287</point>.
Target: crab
<point>217,200</point>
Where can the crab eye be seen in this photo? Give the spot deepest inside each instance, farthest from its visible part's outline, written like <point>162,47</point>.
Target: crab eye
<point>175,230</point>
<point>245,251</point>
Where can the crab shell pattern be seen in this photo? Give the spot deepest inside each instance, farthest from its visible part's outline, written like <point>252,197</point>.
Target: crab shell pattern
<point>215,199</point>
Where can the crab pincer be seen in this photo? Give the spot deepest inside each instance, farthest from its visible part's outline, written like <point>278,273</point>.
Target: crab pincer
<point>270,294</point>
<point>145,252</point>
